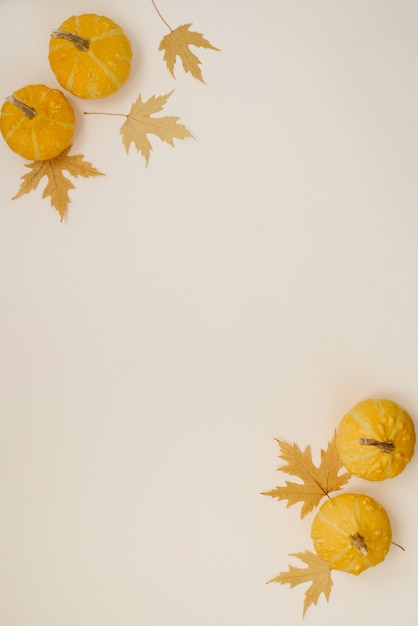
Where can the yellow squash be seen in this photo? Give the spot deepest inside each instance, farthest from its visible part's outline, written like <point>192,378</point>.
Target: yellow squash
<point>376,439</point>
<point>90,56</point>
<point>351,532</point>
<point>37,122</point>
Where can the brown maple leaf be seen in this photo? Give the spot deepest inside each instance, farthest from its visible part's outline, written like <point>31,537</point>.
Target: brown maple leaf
<point>317,482</point>
<point>177,44</point>
<point>317,573</point>
<point>58,185</point>
<point>140,123</point>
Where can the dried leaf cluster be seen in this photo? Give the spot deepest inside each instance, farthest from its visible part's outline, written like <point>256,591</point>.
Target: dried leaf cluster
<point>58,185</point>
<point>315,483</point>
<point>177,44</point>
<point>139,123</point>
<point>317,573</point>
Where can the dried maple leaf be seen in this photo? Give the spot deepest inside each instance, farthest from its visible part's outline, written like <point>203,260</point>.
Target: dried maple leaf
<point>317,482</point>
<point>58,185</point>
<point>317,573</point>
<point>139,124</point>
<point>177,44</point>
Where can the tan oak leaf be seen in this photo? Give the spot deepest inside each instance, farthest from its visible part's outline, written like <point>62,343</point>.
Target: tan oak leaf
<point>316,482</point>
<point>140,122</point>
<point>58,185</point>
<point>177,44</point>
<point>317,573</point>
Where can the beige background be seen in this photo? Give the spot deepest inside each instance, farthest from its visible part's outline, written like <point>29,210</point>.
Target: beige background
<point>254,283</point>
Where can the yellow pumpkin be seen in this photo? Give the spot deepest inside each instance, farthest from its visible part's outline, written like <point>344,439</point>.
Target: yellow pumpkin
<point>376,439</point>
<point>351,532</point>
<point>37,122</point>
<point>90,55</point>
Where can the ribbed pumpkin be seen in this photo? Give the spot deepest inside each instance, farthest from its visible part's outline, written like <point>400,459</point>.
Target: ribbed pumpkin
<point>37,122</point>
<point>351,532</point>
<point>376,439</point>
<point>90,55</point>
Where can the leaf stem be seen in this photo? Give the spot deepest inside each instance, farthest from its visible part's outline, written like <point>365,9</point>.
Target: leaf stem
<point>104,113</point>
<point>160,16</point>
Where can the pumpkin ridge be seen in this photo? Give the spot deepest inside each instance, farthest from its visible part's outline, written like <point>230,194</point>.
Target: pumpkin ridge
<point>105,69</point>
<point>397,426</point>
<point>383,410</point>
<point>325,520</point>
<point>61,123</point>
<point>70,77</point>
<point>339,555</point>
<point>58,44</point>
<point>356,511</point>
<point>77,25</point>
<point>14,128</point>
<point>35,145</point>
<point>116,32</point>
<point>361,422</point>
<point>369,453</point>
<point>389,466</point>
<point>41,99</point>
<point>21,141</point>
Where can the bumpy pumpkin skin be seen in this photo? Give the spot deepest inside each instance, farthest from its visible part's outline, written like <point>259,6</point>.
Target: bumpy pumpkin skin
<point>99,70</point>
<point>48,132</point>
<point>351,532</point>
<point>376,439</point>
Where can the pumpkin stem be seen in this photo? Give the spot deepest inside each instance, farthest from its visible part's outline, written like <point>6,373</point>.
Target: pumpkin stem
<point>357,541</point>
<point>80,42</point>
<point>27,110</point>
<point>385,446</point>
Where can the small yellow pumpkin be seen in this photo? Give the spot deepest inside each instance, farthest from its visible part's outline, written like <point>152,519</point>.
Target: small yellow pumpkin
<point>37,122</point>
<point>376,439</point>
<point>351,532</point>
<point>90,55</point>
